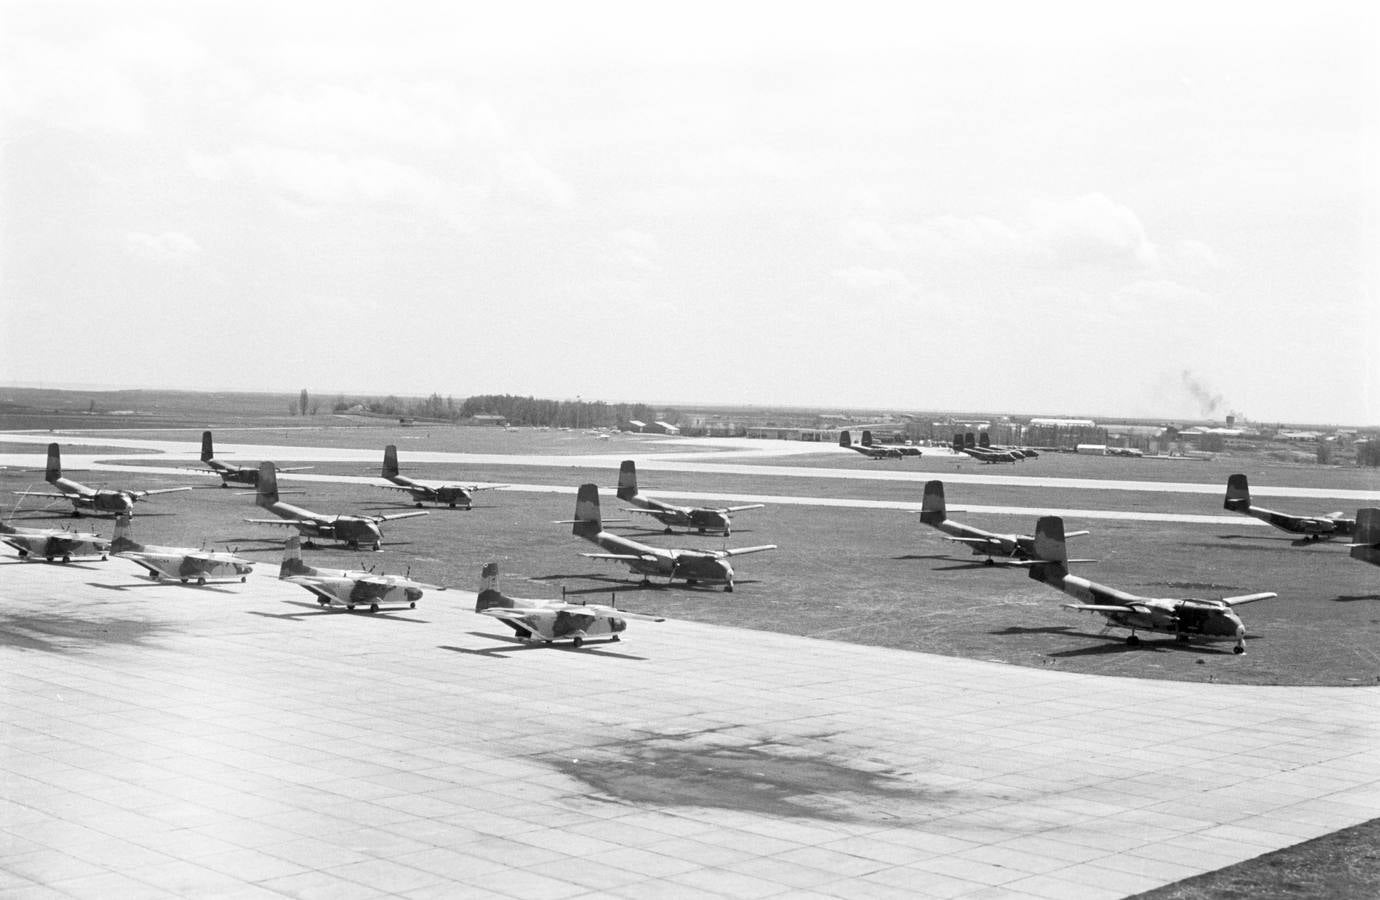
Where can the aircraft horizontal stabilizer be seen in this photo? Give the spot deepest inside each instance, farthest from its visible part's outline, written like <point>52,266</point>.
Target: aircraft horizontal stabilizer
<point>1108,608</point>
<point>626,557</point>
<point>284,522</point>
<point>748,506</point>
<point>739,551</point>
<point>1249,598</point>
<point>598,609</point>
<point>163,491</point>
<point>1069,534</point>
<point>406,515</point>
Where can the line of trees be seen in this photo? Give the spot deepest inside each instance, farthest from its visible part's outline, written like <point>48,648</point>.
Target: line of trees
<point>512,408</point>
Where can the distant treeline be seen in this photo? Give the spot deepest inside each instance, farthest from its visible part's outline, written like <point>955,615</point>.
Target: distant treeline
<point>513,409</point>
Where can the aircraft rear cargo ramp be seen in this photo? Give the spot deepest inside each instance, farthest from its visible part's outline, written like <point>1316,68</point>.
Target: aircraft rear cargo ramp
<point>242,741</point>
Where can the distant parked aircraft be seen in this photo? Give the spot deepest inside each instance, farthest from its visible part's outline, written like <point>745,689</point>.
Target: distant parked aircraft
<point>53,543</point>
<point>550,620</point>
<point>867,448</point>
<point>691,566</point>
<point>1313,528</point>
<point>985,443</point>
<point>1366,546</point>
<point>450,493</point>
<point>352,530</point>
<point>232,474</point>
<point>1187,618</point>
<point>1005,549</point>
<point>701,518</point>
<point>350,588</point>
<point>183,563</point>
<point>96,500</point>
<point>968,444</point>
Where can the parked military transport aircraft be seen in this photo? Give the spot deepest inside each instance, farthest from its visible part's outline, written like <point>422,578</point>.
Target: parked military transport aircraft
<point>1367,541</point>
<point>550,620</point>
<point>691,566</point>
<point>450,493</point>
<point>350,588</point>
<point>1313,528</point>
<point>183,563</point>
<point>1188,618</point>
<point>701,518</point>
<point>968,444</point>
<point>97,500</point>
<point>985,443</point>
<point>1004,549</point>
<point>867,448</point>
<point>352,530</point>
<point>53,543</point>
<point>231,474</point>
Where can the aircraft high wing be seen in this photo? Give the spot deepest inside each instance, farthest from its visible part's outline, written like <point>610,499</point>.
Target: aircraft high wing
<point>867,448</point>
<point>1000,549</point>
<point>352,530</point>
<point>95,500</point>
<point>967,444</point>
<point>183,563</point>
<point>1186,618</point>
<point>1313,528</point>
<point>690,566</point>
<point>550,620</point>
<point>350,588</point>
<point>701,518</point>
<point>451,493</point>
<point>232,474</point>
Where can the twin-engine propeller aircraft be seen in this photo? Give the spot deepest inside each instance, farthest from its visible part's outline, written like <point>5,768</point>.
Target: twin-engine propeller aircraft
<point>232,474</point>
<point>867,448</point>
<point>1366,546</point>
<point>1313,528</point>
<point>691,566</point>
<point>701,518</point>
<point>53,543</point>
<point>350,530</point>
<point>183,563</point>
<point>1186,619</point>
<point>985,443</point>
<point>1000,549</point>
<point>96,500</point>
<point>550,620</point>
<point>968,444</point>
<point>451,493</point>
<point>350,588</point>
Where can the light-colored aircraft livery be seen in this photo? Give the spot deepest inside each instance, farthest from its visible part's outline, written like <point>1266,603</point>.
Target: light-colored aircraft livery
<point>1366,543</point>
<point>700,518</point>
<point>350,588</point>
<point>1000,549</point>
<point>183,563</point>
<point>550,620</point>
<point>232,474</point>
<point>101,501</point>
<point>53,543</point>
<point>451,493</point>
<point>1313,528</point>
<point>690,566</point>
<point>1186,618</point>
<point>353,531</point>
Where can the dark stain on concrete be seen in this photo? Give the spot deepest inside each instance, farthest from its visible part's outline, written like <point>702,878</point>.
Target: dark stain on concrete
<point>797,777</point>
<point>60,633</point>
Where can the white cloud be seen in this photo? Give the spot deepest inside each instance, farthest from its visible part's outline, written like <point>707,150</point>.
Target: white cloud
<point>316,177</point>
<point>1091,229</point>
<point>168,247</point>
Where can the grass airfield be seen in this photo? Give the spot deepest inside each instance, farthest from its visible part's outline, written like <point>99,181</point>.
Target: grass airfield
<point>854,562</point>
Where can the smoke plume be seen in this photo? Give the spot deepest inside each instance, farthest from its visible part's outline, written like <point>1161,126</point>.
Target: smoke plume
<point>1208,400</point>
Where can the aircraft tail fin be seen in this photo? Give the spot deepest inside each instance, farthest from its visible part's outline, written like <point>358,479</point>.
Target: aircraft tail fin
<point>1238,493</point>
<point>1051,554</point>
<point>390,461</point>
<point>588,522</point>
<point>627,480</point>
<point>845,440</point>
<point>970,440</point>
<point>958,442</point>
<point>489,596</point>
<point>932,510</point>
<point>208,453</point>
<point>267,493</point>
<point>124,538</point>
<point>54,471</point>
<point>866,438</point>
<point>292,559</point>
<point>1367,526</point>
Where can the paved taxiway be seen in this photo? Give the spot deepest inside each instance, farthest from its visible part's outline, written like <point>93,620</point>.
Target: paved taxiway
<point>164,740</point>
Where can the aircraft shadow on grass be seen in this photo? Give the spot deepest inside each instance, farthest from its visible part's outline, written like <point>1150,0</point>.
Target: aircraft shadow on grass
<point>312,610</point>
<point>626,584</point>
<point>1352,598</point>
<point>1149,642</point>
<point>167,583</point>
<point>90,567</point>
<point>1265,541</point>
<point>517,645</point>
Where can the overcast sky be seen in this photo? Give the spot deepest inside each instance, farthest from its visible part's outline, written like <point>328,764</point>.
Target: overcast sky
<point>1157,209</point>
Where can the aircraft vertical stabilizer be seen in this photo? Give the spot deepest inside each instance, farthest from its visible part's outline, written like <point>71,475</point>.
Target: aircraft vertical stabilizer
<point>588,522</point>
<point>489,596</point>
<point>627,480</point>
<point>390,461</point>
<point>208,453</point>
<point>932,510</point>
<point>1050,551</point>
<point>267,494</point>
<point>292,559</point>
<point>123,539</point>
<point>54,472</point>
<point>1238,493</point>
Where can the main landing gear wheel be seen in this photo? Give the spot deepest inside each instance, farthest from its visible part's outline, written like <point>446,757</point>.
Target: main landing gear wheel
<point>1238,650</point>
<point>323,602</point>
<point>615,639</point>
<point>668,530</point>
<point>350,607</point>
<point>419,504</point>
<point>183,580</point>
<point>377,546</point>
<point>578,642</point>
<point>728,588</point>
<point>412,605</point>
<point>373,607</point>
<point>201,582</point>
<point>452,506</point>
<point>243,579</point>
<point>1133,640</point>
<point>66,558</point>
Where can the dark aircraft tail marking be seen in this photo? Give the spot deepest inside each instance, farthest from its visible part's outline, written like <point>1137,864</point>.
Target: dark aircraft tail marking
<point>627,480</point>
<point>489,596</point>
<point>123,539</point>
<point>268,485</point>
<point>1052,555</point>
<point>54,464</point>
<point>292,559</point>
<point>1238,497</point>
<point>207,453</point>
<point>932,510</point>
<point>866,438</point>
<point>588,522</point>
<point>844,439</point>
<point>390,461</point>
